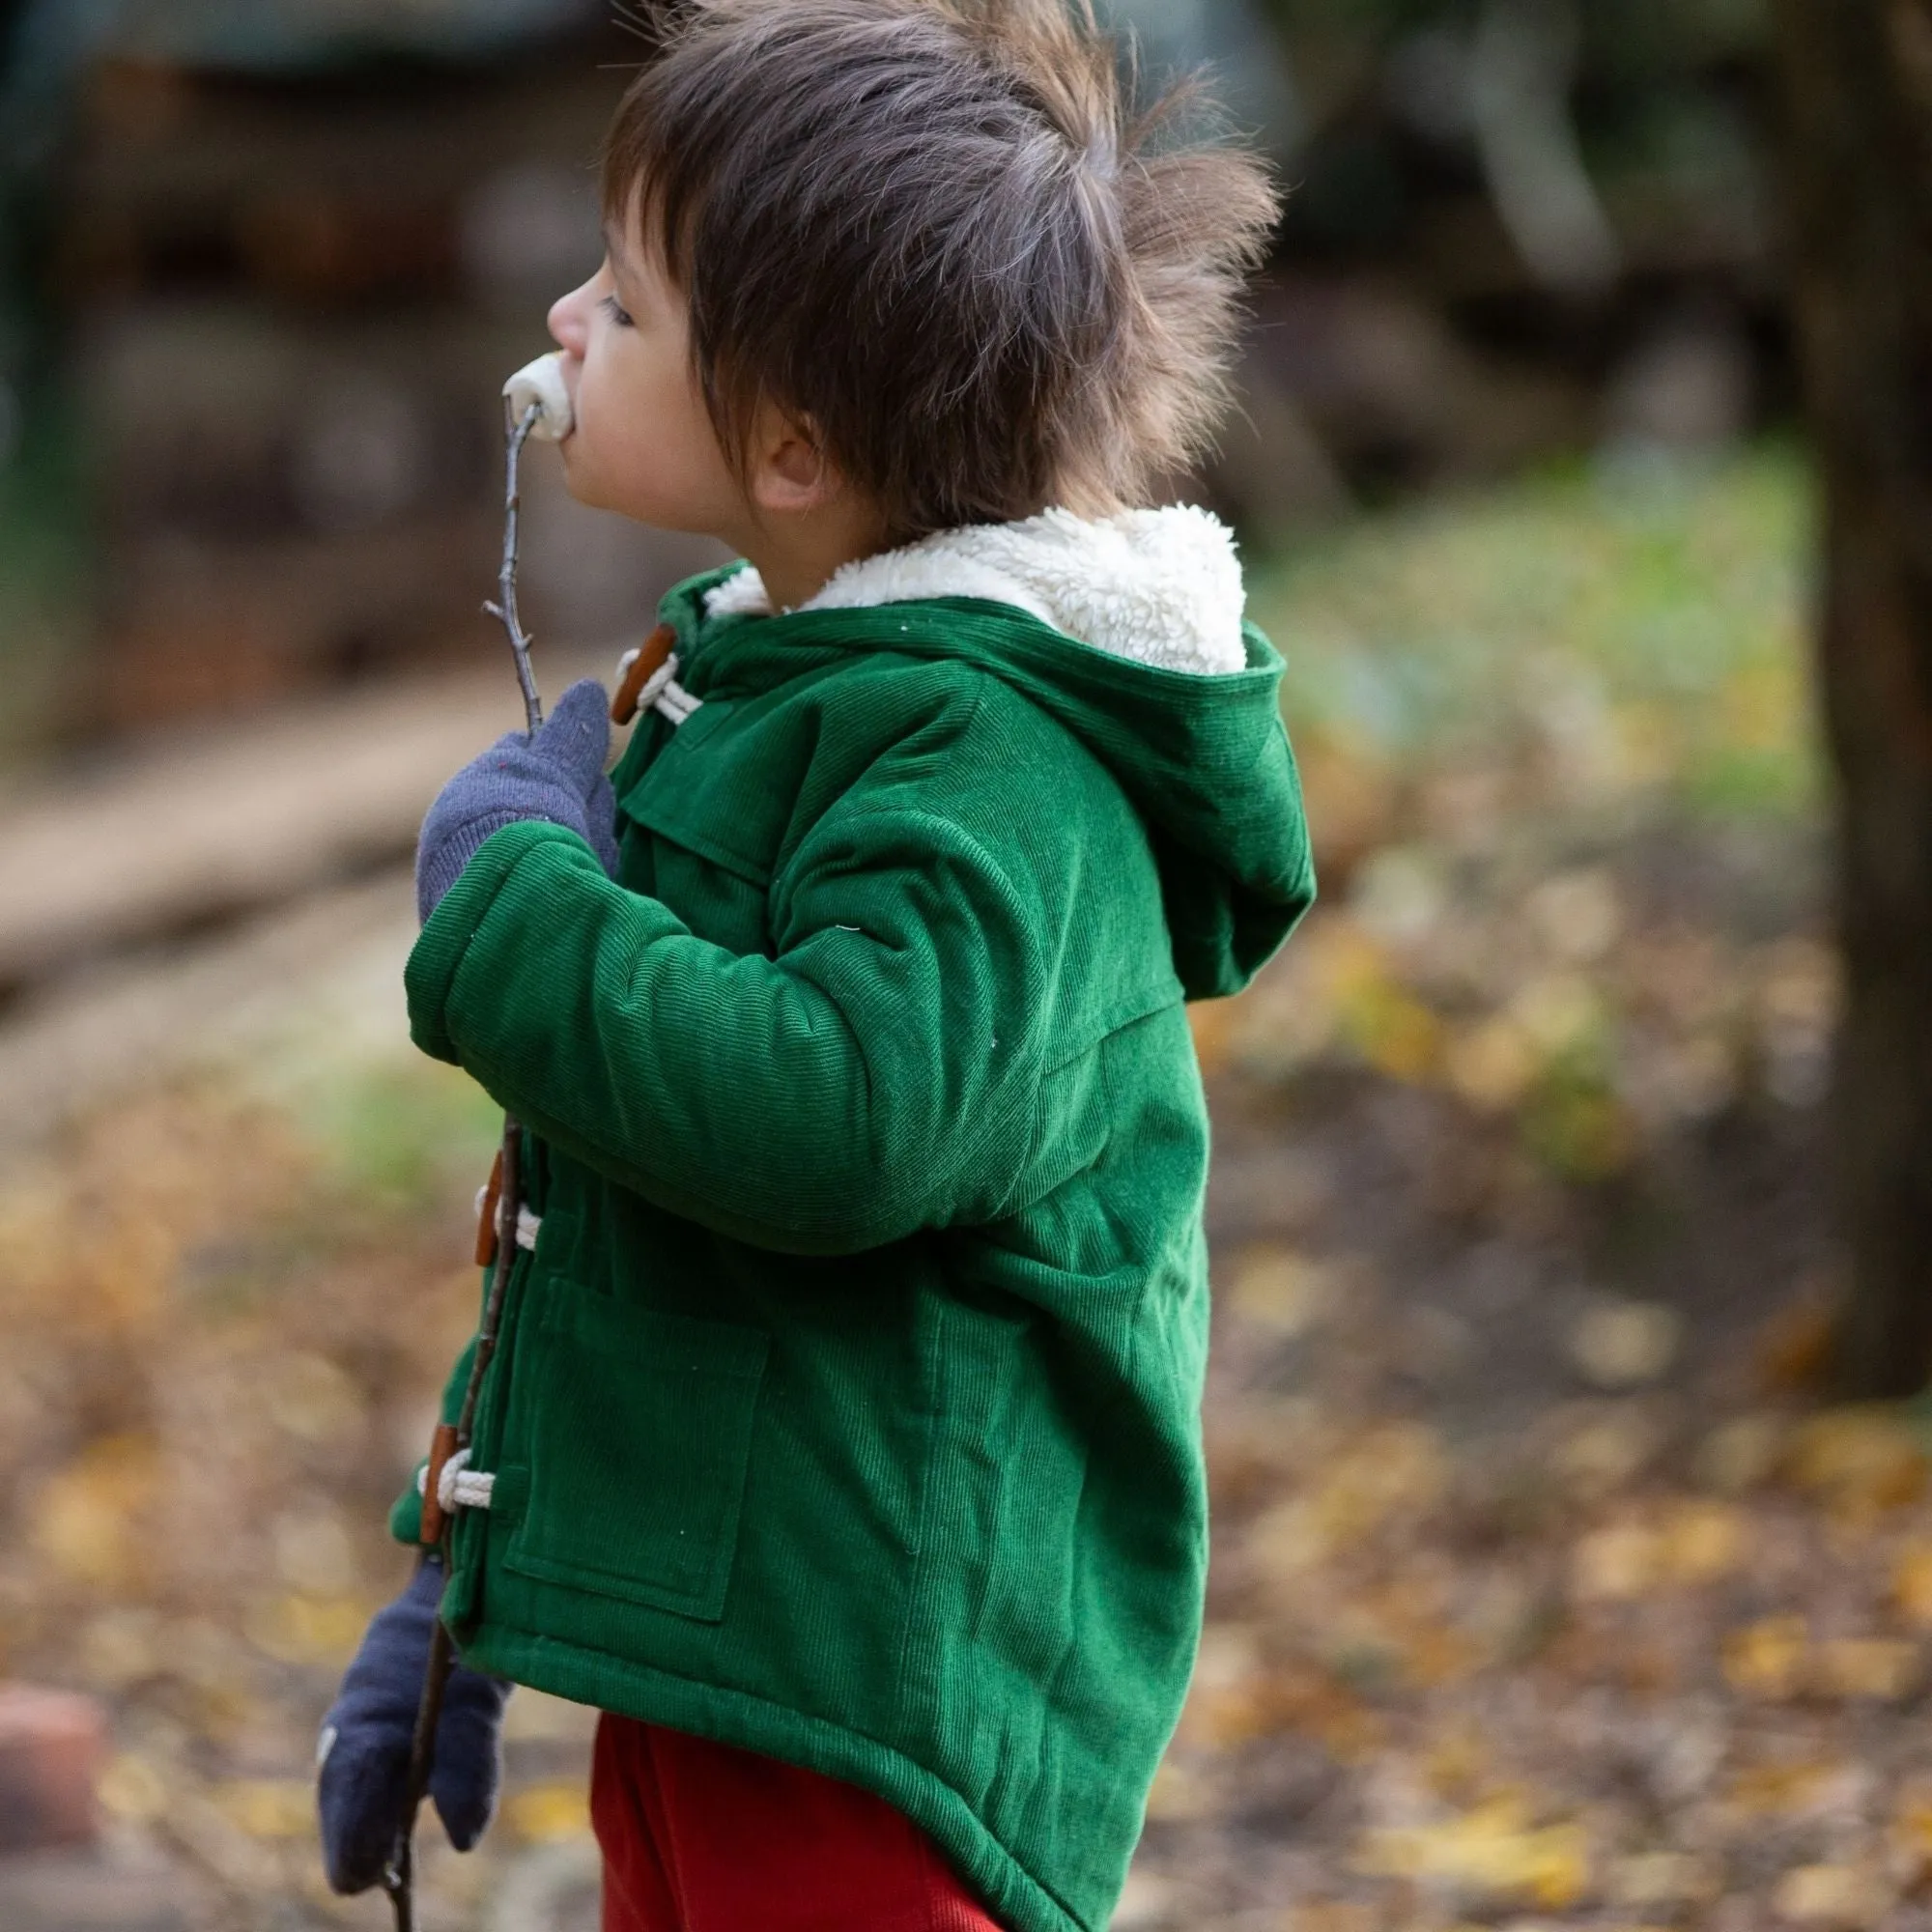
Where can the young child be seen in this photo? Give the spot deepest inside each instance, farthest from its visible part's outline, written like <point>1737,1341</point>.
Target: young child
<point>843,1439</point>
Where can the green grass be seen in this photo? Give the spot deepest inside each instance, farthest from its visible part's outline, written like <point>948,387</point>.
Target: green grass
<point>1632,634</point>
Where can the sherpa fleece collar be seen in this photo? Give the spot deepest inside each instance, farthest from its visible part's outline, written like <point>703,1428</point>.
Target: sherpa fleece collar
<point>1163,586</point>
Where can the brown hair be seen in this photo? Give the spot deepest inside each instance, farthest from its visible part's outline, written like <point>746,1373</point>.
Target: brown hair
<point>937,230</point>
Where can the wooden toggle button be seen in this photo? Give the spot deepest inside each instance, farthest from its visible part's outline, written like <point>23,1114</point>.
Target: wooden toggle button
<point>645,666</point>
<point>442,1447</point>
<point>487,1235</point>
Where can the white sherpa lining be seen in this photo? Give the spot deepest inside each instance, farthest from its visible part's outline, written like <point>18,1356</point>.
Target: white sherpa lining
<point>1161,586</point>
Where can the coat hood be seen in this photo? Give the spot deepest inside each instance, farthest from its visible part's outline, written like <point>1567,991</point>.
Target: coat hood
<point>1129,632</point>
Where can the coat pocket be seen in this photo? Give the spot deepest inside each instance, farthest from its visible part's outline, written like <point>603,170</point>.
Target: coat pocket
<point>639,1445</point>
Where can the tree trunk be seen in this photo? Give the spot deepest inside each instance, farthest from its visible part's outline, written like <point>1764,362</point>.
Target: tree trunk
<point>1857,95</point>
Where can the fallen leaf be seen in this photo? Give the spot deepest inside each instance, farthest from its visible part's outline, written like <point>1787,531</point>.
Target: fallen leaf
<point>1796,1788</point>
<point>1605,1450</point>
<point>545,1813</point>
<point>1661,1878</point>
<point>1861,1460</point>
<point>1882,1668</point>
<point>1492,1853</point>
<point>1907,1836</point>
<point>1281,1291</point>
<point>1620,1344</point>
<point>269,1807</point>
<point>297,1629</point>
<point>1740,1454</point>
<point>1491,1064</point>
<point>1845,1895</point>
<point>1180,1794</point>
<point>1766,1659</point>
<point>85,1518</point>
<point>1622,1561</point>
<point>1911,1583</point>
<point>133,1788</point>
<point>1702,1542</point>
<point>1794,1350</point>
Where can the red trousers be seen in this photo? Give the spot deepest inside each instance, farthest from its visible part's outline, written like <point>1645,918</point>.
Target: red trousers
<point>700,1837</point>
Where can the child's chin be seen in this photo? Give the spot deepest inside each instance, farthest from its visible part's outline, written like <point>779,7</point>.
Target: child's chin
<point>579,484</point>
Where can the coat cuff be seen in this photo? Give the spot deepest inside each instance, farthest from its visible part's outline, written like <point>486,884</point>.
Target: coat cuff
<point>430,977</point>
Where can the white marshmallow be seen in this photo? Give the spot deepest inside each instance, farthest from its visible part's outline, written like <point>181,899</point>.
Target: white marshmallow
<point>542,383</point>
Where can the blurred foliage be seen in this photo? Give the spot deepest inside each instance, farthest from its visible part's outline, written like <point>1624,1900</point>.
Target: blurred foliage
<point>47,567</point>
<point>1563,779</point>
<point>1542,1593</point>
<point>1635,630</point>
<point>1632,40</point>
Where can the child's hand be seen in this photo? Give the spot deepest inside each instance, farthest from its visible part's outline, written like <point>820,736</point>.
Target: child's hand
<point>364,1752</point>
<point>558,776</point>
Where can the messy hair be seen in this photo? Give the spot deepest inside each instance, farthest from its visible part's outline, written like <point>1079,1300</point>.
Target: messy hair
<point>941,232</point>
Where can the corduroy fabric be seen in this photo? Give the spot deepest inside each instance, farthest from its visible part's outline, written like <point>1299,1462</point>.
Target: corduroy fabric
<point>847,1410</point>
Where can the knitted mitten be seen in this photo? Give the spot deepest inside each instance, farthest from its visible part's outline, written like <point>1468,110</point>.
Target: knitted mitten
<point>363,1753</point>
<point>558,776</point>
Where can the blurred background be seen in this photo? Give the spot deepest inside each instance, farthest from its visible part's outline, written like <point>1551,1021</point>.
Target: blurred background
<point>1574,1559</point>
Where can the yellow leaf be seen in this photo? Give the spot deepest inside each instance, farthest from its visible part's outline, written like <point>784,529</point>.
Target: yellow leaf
<point>83,1519</point>
<point>1457,1761</point>
<point>543,1813</point>
<point>1282,1291</point>
<point>1767,1659</point>
<point>1329,1916</point>
<point>307,1630</point>
<point>1605,1450</point>
<point>1861,1460</point>
<point>1740,1454</point>
<point>1559,1014</point>
<point>1491,1064</point>
<point>1911,1583</point>
<point>1702,1542</point>
<point>1908,1835</point>
<point>1622,1561</point>
<point>1695,1542</point>
<point>1886,1668</point>
<point>1180,1795</point>
<point>133,1788</point>
<point>1394,1033</point>
<point>269,1807</point>
<point>1660,1878</point>
<point>1845,1895</point>
<point>1490,1852</point>
<point>1394,1472</point>
<point>1618,1343</point>
<point>1791,1789</point>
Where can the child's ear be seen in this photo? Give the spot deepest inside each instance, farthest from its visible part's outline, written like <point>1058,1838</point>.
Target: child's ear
<point>791,473</point>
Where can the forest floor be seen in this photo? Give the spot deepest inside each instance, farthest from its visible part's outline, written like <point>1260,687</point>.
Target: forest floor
<point>1547,1589</point>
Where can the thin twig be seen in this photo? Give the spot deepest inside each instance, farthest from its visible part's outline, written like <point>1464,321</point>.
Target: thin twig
<point>399,1875</point>
<point>505,607</point>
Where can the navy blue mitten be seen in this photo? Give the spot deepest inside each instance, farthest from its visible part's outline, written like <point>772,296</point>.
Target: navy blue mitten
<point>558,776</point>
<point>363,1753</point>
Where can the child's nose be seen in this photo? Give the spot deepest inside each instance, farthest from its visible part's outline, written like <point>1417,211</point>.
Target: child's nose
<point>568,320</point>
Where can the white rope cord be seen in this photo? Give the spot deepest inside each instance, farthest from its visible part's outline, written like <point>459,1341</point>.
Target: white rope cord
<point>529,1225</point>
<point>459,1487</point>
<point>661,691</point>
<point>677,703</point>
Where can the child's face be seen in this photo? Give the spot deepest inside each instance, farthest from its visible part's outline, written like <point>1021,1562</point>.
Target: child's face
<point>642,442</point>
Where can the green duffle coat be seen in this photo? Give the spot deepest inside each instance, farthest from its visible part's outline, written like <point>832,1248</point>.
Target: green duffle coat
<point>847,1409</point>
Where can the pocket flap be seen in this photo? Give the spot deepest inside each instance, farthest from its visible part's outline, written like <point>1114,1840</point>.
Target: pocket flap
<point>639,1437</point>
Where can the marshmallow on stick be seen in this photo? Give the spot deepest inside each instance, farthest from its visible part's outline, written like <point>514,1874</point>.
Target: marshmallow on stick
<point>541,383</point>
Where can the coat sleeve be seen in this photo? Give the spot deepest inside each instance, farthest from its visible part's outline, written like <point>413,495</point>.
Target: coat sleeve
<point>874,1077</point>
